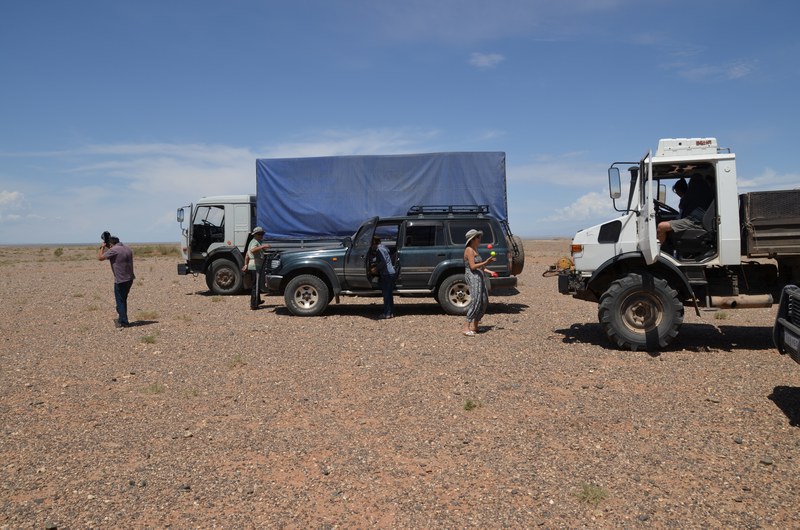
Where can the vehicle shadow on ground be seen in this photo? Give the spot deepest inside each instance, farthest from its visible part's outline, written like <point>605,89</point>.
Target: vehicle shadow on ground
<point>692,337</point>
<point>787,398</point>
<point>374,311</point>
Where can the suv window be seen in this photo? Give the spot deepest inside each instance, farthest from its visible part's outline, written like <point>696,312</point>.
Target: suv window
<point>459,229</point>
<point>424,234</point>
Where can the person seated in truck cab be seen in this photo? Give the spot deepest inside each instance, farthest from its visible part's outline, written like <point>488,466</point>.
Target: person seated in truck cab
<point>696,196</point>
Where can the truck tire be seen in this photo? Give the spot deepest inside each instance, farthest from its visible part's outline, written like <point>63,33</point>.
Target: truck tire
<point>517,259</point>
<point>225,277</point>
<point>453,295</point>
<point>306,295</point>
<point>640,312</point>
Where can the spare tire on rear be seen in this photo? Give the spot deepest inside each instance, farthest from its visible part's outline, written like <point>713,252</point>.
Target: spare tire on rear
<point>517,256</point>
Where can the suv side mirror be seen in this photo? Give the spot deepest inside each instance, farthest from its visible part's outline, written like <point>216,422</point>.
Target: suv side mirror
<point>614,183</point>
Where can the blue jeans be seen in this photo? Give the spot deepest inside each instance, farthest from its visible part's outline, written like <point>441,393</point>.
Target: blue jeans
<point>387,286</point>
<point>121,291</point>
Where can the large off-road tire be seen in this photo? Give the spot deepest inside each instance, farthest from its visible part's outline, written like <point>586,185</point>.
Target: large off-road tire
<point>453,295</point>
<point>224,278</point>
<point>518,258</point>
<point>306,295</point>
<point>640,312</point>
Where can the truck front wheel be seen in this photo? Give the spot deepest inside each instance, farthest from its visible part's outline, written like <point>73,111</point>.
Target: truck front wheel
<point>640,312</point>
<point>306,295</point>
<point>224,278</point>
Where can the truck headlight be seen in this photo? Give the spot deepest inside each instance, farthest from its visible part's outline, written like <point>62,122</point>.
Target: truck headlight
<point>274,264</point>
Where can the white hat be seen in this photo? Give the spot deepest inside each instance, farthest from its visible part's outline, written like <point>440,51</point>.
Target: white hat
<point>472,234</point>
<point>257,230</point>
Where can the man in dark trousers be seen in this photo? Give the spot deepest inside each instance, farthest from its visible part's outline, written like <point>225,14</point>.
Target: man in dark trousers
<point>121,259</point>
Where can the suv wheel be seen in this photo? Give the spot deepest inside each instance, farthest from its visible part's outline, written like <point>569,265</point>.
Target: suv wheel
<point>453,295</point>
<point>306,295</point>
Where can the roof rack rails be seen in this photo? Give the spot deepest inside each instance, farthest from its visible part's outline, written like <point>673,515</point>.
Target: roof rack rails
<point>449,209</point>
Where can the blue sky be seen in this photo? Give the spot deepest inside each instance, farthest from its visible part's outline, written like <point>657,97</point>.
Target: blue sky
<point>114,113</point>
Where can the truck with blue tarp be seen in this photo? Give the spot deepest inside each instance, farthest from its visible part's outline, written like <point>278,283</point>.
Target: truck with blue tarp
<point>317,202</point>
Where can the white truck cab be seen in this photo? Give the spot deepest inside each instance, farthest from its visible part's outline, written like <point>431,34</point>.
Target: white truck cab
<point>213,242</point>
<point>642,284</point>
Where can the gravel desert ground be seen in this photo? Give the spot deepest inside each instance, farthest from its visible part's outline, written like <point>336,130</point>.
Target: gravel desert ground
<point>205,414</point>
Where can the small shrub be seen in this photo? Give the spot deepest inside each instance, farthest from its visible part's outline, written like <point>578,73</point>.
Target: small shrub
<point>58,252</point>
<point>591,493</point>
<point>92,308</point>
<point>471,405</point>
<point>147,315</point>
<point>149,339</point>
<point>157,250</point>
<point>155,388</point>
<point>237,361</point>
<point>216,298</point>
<point>721,315</point>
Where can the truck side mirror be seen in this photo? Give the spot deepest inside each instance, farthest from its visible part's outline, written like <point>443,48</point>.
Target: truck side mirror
<point>614,183</point>
<point>180,215</point>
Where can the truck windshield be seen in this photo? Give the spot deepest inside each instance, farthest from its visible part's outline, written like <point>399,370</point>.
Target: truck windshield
<point>209,215</point>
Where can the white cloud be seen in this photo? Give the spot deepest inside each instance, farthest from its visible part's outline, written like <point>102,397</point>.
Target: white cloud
<point>711,72</point>
<point>591,206</point>
<point>11,202</point>
<point>769,179</point>
<point>344,142</point>
<point>10,198</point>
<point>486,60</point>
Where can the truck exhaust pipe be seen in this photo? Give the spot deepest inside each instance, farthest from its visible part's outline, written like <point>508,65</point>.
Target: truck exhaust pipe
<point>742,301</point>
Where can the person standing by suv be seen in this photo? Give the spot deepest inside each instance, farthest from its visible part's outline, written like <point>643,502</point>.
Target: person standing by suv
<point>473,273</point>
<point>387,275</point>
<point>252,263</point>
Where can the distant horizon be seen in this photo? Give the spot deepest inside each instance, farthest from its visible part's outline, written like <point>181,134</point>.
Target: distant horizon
<point>138,243</point>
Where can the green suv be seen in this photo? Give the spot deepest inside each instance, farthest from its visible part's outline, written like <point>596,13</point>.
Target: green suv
<point>427,246</point>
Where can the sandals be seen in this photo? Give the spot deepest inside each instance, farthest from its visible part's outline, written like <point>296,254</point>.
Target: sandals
<point>469,333</point>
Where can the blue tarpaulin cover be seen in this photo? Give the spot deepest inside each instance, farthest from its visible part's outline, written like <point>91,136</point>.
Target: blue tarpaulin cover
<point>326,197</point>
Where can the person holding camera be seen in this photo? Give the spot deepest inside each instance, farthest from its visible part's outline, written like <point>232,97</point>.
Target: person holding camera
<point>121,259</point>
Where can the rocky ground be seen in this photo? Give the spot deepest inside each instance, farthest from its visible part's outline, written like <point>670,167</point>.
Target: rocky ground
<point>206,414</point>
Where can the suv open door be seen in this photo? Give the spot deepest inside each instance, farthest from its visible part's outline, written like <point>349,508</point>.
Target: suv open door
<point>356,268</point>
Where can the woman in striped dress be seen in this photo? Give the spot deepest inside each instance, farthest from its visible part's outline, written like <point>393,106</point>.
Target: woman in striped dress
<point>473,273</point>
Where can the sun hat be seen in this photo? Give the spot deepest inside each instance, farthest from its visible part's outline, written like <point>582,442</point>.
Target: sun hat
<point>472,234</point>
<point>257,230</point>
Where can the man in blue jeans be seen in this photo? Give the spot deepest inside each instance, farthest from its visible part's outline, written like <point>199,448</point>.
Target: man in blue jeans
<point>387,275</point>
<point>121,259</point>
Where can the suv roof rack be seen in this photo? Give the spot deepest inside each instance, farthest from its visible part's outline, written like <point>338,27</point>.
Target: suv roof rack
<point>453,209</point>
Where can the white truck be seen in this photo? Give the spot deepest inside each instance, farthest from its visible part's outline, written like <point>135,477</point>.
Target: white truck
<point>746,250</point>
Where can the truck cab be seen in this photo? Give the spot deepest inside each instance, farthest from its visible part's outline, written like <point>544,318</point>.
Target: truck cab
<point>645,265</point>
<point>213,242</point>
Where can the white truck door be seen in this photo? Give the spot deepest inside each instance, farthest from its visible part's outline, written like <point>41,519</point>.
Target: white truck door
<point>646,219</point>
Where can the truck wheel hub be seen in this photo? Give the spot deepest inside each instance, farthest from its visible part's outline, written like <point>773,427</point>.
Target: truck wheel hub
<point>642,312</point>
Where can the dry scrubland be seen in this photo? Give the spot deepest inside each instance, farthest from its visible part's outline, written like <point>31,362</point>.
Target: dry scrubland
<point>206,414</point>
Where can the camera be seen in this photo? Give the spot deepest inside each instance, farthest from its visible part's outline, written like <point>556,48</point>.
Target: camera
<point>106,237</point>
